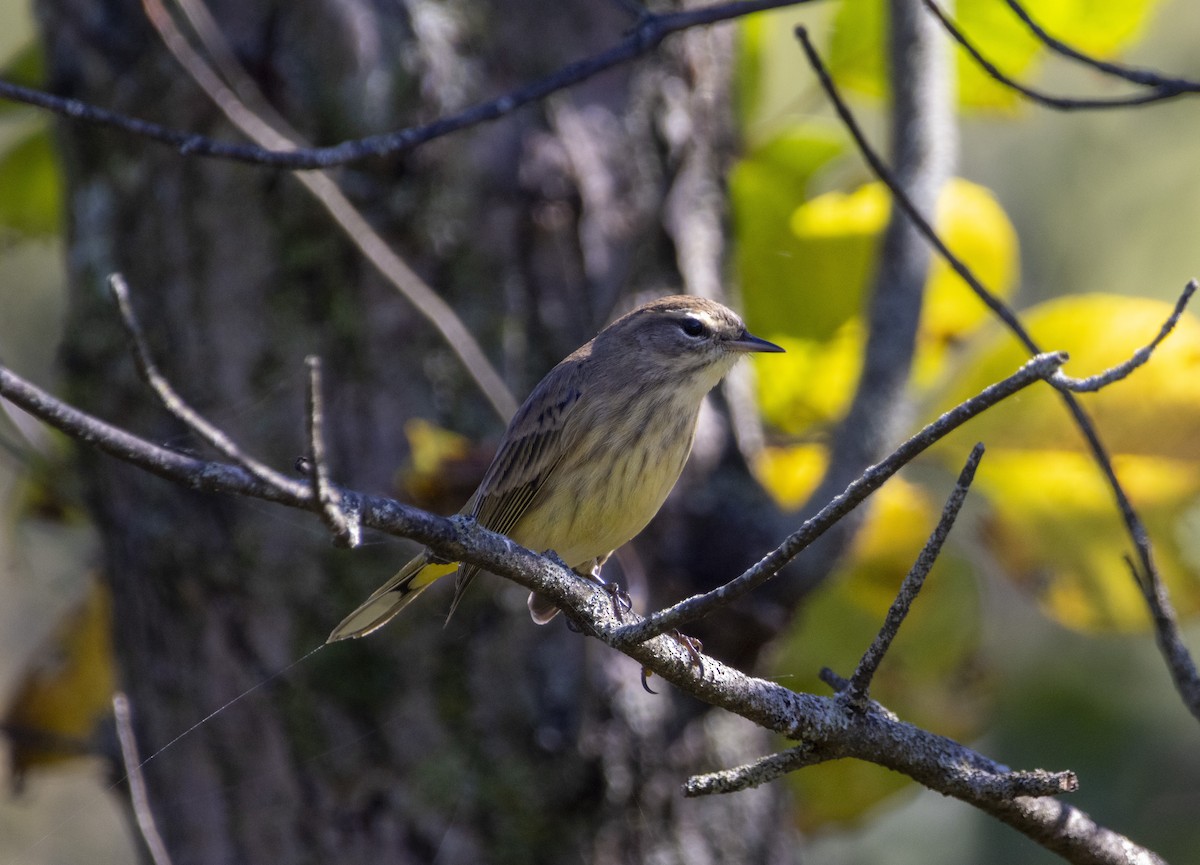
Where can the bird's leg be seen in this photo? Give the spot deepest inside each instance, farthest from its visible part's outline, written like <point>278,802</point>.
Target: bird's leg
<point>621,602</point>
<point>690,645</point>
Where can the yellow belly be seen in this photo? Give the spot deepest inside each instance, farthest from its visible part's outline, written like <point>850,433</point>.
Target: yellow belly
<point>598,502</point>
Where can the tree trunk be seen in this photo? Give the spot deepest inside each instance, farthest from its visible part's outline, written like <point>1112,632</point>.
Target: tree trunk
<point>489,740</point>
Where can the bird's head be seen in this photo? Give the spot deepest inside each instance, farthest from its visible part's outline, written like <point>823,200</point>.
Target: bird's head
<point>686,340</point>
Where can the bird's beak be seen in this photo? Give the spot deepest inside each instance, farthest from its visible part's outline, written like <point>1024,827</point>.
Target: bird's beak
<point>749,342</point>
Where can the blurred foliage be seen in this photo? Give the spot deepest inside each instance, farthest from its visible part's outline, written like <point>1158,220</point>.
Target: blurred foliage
<point>29,175</point>
<point>30,180</point>
<point>806,248</point>
<point>1044,487</point>
<point>67,691</point>
<point>443,467</point>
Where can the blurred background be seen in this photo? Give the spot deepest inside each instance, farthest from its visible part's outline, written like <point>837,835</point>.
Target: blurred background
<point>1030,643</point>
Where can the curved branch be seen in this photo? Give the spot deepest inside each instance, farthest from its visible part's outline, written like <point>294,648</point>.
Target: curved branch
<point>644,37</point>
<point>1161,91</point>
<point>1144,77</point>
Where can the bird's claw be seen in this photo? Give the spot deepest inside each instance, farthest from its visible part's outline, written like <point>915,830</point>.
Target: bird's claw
<point>621,602</point>
<point>691,645</point>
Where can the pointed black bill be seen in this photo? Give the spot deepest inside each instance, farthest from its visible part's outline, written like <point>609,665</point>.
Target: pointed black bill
<point>749,342</point>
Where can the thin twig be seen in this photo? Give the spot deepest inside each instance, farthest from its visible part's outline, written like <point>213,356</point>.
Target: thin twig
<point>1160,92</point>
<point>1170,640</point>
<point>276,134</point>
<point>138,797</point>
<point>170,399</point>
<point>1121,370</point>
<point>342,522</point>
<point>749,775</point>
<point>649,32</point>
<point>1039,368</point>
<point>860,682</point>
<point>1000,785</point>
<point>1143,77</point>
<point>1185,675</point>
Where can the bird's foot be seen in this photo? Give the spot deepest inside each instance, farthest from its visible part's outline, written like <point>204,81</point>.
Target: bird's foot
<point>691,645</point>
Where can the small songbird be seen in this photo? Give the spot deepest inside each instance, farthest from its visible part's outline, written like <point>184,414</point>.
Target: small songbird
<point>590,457</point>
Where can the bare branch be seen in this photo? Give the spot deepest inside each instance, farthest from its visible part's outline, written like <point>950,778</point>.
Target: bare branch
<point>1039,368</point>
<point>170,399</point>
<point>745,777</point>
<point>1166,630</point>
<point>1144,77</point>
<point>343,523</point>
<point>1159,93</point>
<point>648,33</point>
<point>1121,370</point>
<point>276,134</point>
<point>138,797</point>
<point>1182,666</point>
<point>860,682</point>
<point>1001,786</point>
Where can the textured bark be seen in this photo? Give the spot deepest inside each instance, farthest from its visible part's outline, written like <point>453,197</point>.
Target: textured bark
<point>489,740</point>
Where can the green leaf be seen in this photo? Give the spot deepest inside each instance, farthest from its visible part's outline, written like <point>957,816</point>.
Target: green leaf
<point>29,175</point>
<point>765,188</point>
<point>26,67</point>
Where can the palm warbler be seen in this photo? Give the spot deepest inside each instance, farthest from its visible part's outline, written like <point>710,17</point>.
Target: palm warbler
<point>590,457</point>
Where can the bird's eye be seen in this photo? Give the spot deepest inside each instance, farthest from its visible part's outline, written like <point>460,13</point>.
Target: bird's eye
<point>693,327</point>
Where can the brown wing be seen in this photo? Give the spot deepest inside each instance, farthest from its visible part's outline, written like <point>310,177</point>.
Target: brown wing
<point>531,450</point>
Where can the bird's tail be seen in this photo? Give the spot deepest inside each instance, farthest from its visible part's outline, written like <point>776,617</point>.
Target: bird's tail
<point>392,597</point>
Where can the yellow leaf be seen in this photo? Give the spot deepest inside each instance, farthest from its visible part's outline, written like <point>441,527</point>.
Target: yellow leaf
<point>791,474</point>
<point>1055,531</point>
<point>973,224</point>
<point>1156,411</point>
<point>813,384</point>
<point>1054,527</point>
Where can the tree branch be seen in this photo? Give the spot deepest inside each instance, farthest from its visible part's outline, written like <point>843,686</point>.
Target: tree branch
<point>1144,77</point>
<point>650,30</point>
<point>168,396</point>
<point>860,682</point>
<point>1160,92</point>
<point>342,522</point>
<point>138,797</point>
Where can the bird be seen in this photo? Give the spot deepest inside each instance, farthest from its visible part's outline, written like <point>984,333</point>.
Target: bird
<point>591,455</point>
